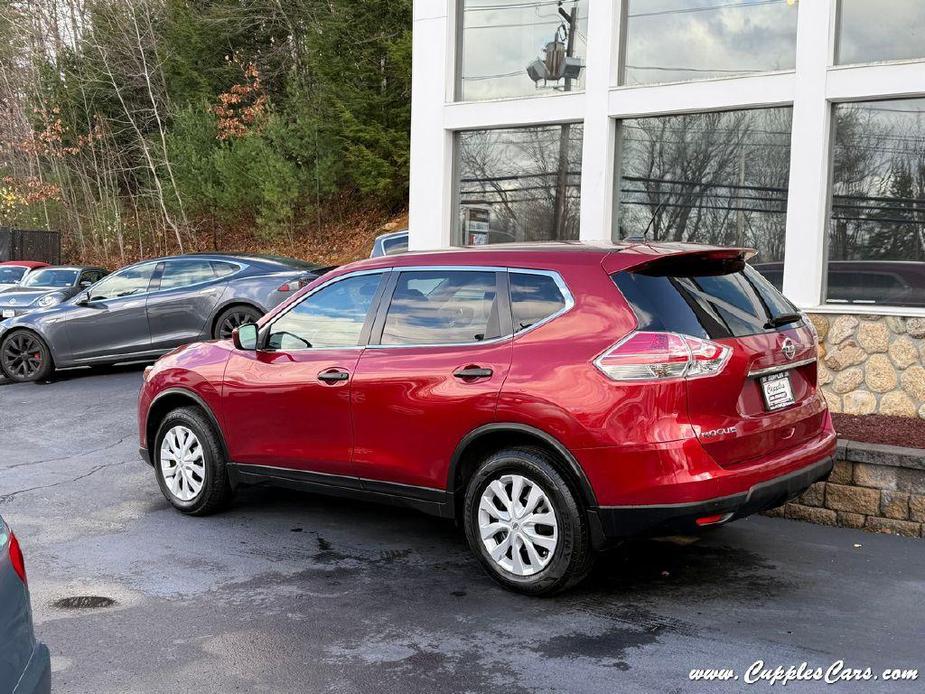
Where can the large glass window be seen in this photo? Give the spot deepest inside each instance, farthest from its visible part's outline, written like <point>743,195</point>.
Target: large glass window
<point>331,317</point>
<point>714,178</point>
<point>128,282</point>
<point>521,47</point>
<point>877,229</point>
<point>679,40</point>
<point>443,307</point>
<point>869,32</point>
<point>518,184</point>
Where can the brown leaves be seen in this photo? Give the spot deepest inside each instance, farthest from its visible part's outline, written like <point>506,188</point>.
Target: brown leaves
<point>242,107</point>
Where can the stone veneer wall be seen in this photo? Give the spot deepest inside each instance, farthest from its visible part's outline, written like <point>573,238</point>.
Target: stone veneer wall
<point>877,488</point>
<point>872,364</point>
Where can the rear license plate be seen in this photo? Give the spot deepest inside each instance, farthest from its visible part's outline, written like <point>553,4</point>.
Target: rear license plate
<point>9,313</point>
<point>777,391</point>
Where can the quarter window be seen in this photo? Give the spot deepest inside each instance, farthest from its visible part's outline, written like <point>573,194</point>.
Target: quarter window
<point>182,273</point>
<point>443,307</point>
<point>130,281</point>
<point>534,298</point>
<point>332,317</point>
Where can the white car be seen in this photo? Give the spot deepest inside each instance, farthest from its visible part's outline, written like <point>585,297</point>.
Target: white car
<point>12,272</point>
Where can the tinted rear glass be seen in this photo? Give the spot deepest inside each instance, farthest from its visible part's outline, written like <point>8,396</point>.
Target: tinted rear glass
<point>702,298</point>
<point>534,298</point>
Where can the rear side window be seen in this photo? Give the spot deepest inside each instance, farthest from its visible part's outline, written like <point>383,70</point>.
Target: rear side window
<point>223,269</point>
<point>702,298</point>
<point>182,273</point>
<point>443,307</point>
<point>534,298</point>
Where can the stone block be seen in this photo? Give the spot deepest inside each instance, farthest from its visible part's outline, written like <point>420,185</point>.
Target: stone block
<point>823,375</point>
<point>904,352</point>
<point>897,404</point>
<point>819,516</point>
<point>890,526</point>
<point>841,472</point>
<point>848,354</point>
<point>880,374</point>
<point>821,323</point>
<point>814,496</point>
<point>859,402</point>
<point>833,401</point>
<point>850,520</point>
<point>917,508</point>
<point>842,328</point>
<point>915,327</point>
<point>894,505</point>
<point>874,337</point>
<point>913,382</point>
<point>912,481</point>
<point>848,380</point>
<point>876,476</point>
<point>842,497</point>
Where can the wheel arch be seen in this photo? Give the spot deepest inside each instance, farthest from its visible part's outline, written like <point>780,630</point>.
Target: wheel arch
<point>231,303</point>
<point>493,437</point>
<point>171,399</point>
<point>38,333</point>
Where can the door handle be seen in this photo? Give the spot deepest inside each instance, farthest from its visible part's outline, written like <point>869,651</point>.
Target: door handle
<point>333,376</point>
<point>473,372</point>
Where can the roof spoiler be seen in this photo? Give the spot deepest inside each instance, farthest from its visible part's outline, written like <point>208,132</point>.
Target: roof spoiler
<point>700,261</point>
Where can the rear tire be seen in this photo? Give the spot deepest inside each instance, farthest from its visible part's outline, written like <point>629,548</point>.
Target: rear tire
<point>190,464</point>
<point>233,317</point>
<point>25,357</point>
<point>519,494</point>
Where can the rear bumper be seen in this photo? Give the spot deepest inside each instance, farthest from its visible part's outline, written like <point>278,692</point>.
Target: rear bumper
<point>668,519</point>
<point>36,679</point>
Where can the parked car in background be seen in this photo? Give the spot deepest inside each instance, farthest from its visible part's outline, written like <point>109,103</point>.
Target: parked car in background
<point>25,666</point>
<point>147,309</point>
<point>12,272</point>
<point>390,244</point>
<point>552,398</point>
<point>47,287</point>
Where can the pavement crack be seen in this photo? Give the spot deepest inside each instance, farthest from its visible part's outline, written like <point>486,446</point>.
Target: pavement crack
<point>10,496</point>
<point>66,457</point>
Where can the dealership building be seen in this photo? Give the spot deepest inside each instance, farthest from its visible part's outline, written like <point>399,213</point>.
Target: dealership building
<point>794,127</point>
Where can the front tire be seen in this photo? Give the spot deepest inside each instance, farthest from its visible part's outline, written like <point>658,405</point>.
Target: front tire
<point>525,525</point>
<point>24,357</point>
<point>189,463</point>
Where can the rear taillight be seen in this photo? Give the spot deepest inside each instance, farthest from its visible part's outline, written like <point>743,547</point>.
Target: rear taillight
<point>16,558</point>
<point>654,356</point>
<point>292,285</point>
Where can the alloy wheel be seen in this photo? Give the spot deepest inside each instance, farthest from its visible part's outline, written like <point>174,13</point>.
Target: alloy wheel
<point>22,356</point>
<point>232,320</point>
<point>518,525</point>
<point>182,463</point>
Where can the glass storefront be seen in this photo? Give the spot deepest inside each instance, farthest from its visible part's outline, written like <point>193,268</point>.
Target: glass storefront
<point>518,184</point>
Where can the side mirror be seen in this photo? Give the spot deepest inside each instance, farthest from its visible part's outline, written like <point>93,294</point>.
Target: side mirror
<point>245,337</point>
<point>86,284</point>
<point>82,299</point>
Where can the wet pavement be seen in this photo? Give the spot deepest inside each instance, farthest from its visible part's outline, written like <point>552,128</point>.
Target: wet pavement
<point>289,592</point>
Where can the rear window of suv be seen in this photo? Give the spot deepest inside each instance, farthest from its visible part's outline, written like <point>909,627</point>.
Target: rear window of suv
<point>701,297</point>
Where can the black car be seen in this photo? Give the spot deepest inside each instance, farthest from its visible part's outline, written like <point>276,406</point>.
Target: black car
<point>47,287</point>
<point>147,309</point>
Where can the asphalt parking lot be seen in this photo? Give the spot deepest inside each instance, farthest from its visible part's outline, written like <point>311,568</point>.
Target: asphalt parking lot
<point>289,592</point>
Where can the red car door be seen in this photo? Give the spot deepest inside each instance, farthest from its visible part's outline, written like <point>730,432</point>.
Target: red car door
<point>443,352</point>
<point>288,403</point>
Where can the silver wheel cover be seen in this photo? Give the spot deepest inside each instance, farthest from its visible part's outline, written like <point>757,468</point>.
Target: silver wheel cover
<point>182,465</point>
<point>518,525</point>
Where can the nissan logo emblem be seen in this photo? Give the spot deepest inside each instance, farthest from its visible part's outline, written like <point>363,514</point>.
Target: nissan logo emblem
<point>788,348</point>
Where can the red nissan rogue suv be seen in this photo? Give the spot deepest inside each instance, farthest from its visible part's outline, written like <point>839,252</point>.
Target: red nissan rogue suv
<point>552,398</point>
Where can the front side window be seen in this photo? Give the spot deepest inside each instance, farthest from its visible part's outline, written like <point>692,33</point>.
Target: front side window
<point>443,307</point>
<point>516,49</point>
<point>518,184</point>
<point>332,317</point>
<point>715,178</point>
<point>128,282</point>
<point>870,32</point>
<point>877,227</point>
<point>534,298</point>
<point>679,40</point>
<point>182,273</point>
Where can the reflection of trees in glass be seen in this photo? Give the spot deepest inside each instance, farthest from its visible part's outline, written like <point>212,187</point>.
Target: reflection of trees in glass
<point>516,175</point>
<point>878,182</point>
<point>717,178</point>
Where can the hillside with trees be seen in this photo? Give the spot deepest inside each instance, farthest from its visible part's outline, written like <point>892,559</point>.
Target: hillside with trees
<point>145,127</point>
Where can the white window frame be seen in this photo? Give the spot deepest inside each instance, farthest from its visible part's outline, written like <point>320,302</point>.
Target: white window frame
<point>811,89</point>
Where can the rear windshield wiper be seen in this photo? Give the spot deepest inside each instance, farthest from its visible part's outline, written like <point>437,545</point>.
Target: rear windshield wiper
<point>783,319</point>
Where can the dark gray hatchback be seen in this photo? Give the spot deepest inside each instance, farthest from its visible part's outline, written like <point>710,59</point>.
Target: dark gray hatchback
<point>25,666</point>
